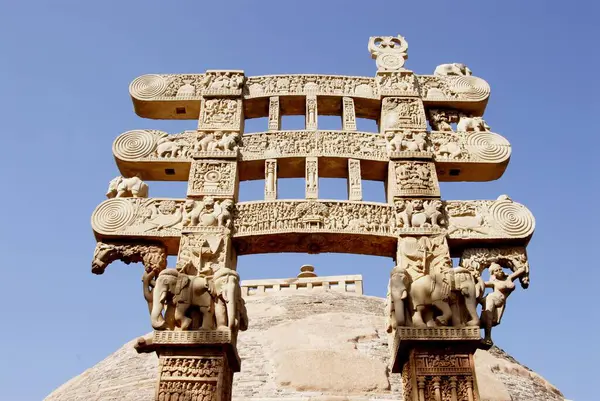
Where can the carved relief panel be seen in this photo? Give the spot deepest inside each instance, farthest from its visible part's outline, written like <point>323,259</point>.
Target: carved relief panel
<point>270,179</point>
<point>204,253</point>
<point>223,83</point>
<point>354,180</point>
<point>397,84</point>
<point>311,112</point>
<point>274,111</point>
<point>213,177</point>
<point>402,113</point>
<point>221,114</point>
<point>412,179</point>
<point>348,114</point>
<point>407,144</point>
<point>312,177</point>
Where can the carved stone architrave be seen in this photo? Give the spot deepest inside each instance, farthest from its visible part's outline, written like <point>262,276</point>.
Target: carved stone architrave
<point>408,144</point>
<point>193,365</point>
<point>274,114</point>
<point>312,177</point>
<point>221,113</point>
<point>213,178</point>
<point>348,114</point>
<point>403,83</point>
<point>311,112</point>
<point>408,178</point>
<point>402,113</point>
<point>203,253</point>
<point>354,180</point>
<point>223,83</point>
<point>270,179</point>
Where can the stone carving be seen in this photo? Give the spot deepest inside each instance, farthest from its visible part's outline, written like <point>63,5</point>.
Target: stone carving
<point>402,113</point>
<point>121,187</point>
<point>207,213</point>
<point>419,213</point>
<point>220,114</point>
<point>274,117</point>
<point>441,119</point>
<point>397,83</point>
<point>212,177</point>
<point>466,124</point>
<point>452,88</point>
<point>172,367</point>
<point>270,179</point>
<point>278,85</point>
<point>152,256</point>
<point>216,142</point>
<point>202,253</point>
<point>219,83</point>
<point>230,308</point>
<point>311,112</point>
<point>389,52</point>
<point>312,178</point>
<point>412,178</point>
<point>348,114</point>
<point>403,144</point>
<point>354,180</point>
<point>452,69</point>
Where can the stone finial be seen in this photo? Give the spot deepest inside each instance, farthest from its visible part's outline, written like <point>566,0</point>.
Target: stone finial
<point>390,52</point>
<point>307,271</point>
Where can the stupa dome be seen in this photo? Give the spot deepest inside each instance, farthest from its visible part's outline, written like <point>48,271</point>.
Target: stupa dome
<point>306,344</point>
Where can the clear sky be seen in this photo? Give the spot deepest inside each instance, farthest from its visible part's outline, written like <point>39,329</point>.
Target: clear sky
<point>64,99</point>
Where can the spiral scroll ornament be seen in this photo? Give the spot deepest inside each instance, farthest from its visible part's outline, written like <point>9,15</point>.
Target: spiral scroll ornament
<point>133,145</point>
<point>512,218</point>
<point>112,215</point>
<point>469,88</point>
<point>147,87</point>
<point>488,146</point>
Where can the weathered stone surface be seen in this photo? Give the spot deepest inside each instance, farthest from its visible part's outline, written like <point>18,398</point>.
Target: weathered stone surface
<point>294,343</point>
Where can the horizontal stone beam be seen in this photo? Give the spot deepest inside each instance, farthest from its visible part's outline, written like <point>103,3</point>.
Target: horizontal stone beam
<point>459,156</point>
<point>316,226</point>
<point>177,96</point>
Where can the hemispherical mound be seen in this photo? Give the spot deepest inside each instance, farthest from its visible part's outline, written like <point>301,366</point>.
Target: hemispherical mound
<point>317,346</point>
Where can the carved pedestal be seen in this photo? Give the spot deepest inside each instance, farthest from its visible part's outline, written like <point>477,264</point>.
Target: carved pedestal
<point>436,363</point>
<point>193,365</point>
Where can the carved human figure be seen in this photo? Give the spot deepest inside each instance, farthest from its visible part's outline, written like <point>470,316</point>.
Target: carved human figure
<point>270,177</point>
<point>495,302</point>
<point>121,187</point>
<point>452,69</point>
<point>230,309</point>
<point>179,292</point>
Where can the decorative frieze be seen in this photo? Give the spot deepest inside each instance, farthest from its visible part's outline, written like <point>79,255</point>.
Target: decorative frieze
<point>312,178</point>
<point>222,83</point>
<point>354,180</point>
<point>274,114</point>
<point>402,113</point>
<point>223,114</point>
<point>408,178</point>
<point>270,179</point>
<point>348,114</point>
<point>407,144</point>
<point>214,178</point>
<point>397,83</point>
<point>311,113</point>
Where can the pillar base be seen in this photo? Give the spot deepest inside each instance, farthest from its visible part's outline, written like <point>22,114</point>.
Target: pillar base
<point>193,365</point>
<point>437,364</point>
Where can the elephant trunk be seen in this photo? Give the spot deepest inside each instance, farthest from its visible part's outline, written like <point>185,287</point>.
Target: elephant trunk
<point>229,295</point>
<point>148,285</point>
<point>399,293</point>
<point>156,317</point>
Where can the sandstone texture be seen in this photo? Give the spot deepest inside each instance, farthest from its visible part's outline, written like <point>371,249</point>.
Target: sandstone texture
<point>325,345</point>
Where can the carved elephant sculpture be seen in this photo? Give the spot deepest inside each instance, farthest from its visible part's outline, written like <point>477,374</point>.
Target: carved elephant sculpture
<point>230,308</point>
<point>470,291</point>
<point>178,293</point>
<point>120,187</point>
<point>472,124</point>
<point>452,69</point>
<point>167,148</point>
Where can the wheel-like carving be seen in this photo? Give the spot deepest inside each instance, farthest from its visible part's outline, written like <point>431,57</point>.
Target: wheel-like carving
<point>133,145</point>
<point>469,88</point>
<point>147,87</point>
<point>488,146</point>
<point>112,215</point>
<point>512,218</point>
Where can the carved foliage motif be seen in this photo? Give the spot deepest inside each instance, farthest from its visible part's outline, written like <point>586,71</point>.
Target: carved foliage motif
<point>274,85</point>
<point>220,114</point>
<point>153,256</point>
<point>479,259</point>
<point>212,177</point>
<point>413,178</point>
<point>402,112</point>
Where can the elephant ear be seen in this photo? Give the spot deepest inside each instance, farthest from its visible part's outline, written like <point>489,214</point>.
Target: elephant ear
<point>179,284</point>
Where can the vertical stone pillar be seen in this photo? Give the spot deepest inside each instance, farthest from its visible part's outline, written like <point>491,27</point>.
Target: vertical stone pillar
<point>348,114</point>
<point>311,112</point>
<point>354,180</point>
<point>274,114</point>
<point>270,179</point>
<point>312,177</point>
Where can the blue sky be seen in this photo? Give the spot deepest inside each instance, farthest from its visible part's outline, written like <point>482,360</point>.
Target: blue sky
<point>64,99</point>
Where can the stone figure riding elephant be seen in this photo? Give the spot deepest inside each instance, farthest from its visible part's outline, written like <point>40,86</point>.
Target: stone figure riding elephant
<point>121,187</point>
<point>452,69</point>
<point>178,292</point>
<point>230,308</point>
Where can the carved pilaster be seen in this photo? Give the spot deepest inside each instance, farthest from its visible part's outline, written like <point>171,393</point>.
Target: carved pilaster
<point>270,179</point>
<point>312,178</point>
<point>354,180</point>
<point>311,112</point>
<point>409,178</point>
<point>213,178</point>
<point>402,113</point>
<point>348,114</point>
<point>274,114</point>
